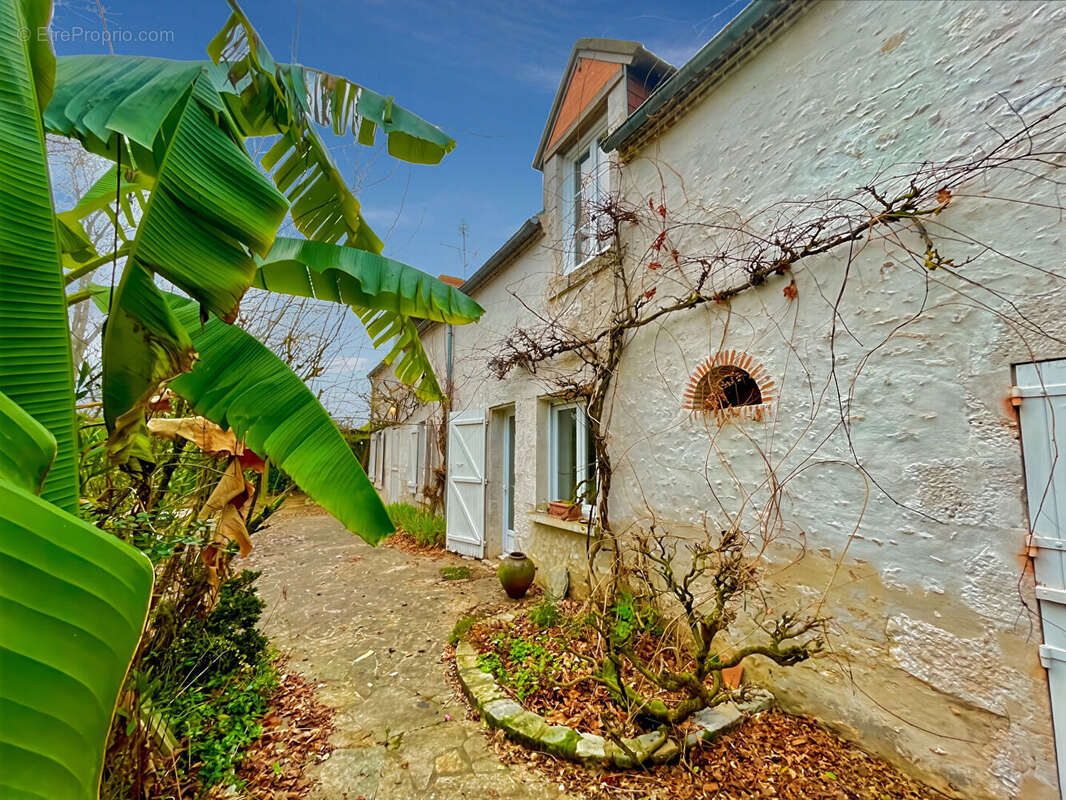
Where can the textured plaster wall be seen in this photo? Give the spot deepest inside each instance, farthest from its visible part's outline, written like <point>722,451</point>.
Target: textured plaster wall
<point>524,278</point>
<point>530,284</point>
<point>934,661</point>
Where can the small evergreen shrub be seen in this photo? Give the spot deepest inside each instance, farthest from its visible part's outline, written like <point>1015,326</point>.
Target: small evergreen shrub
<point>545,614</point>
<point>213,683</point>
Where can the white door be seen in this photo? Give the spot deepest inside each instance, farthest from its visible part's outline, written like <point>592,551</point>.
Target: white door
<point>507,483</point>
<point>1042,388</point>
<point>464,508</point>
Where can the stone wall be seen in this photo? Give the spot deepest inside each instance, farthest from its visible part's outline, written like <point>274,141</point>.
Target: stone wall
<point>917,557</point>
<point>919,560</point>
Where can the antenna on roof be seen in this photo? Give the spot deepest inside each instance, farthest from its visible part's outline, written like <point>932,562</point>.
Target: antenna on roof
<point>464,229</point>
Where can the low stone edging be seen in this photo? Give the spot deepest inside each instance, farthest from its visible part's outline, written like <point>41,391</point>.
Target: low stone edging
<point>533,731</point>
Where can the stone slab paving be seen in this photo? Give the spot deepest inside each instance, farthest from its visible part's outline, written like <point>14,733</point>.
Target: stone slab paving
<point>367,626</point>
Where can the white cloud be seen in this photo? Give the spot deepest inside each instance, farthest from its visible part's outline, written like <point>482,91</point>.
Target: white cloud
<point>349,364</point>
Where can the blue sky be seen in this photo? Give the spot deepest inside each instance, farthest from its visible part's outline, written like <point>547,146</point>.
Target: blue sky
<point>485,72</point>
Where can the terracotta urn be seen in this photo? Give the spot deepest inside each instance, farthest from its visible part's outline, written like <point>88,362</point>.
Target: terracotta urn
<point>516,574</point>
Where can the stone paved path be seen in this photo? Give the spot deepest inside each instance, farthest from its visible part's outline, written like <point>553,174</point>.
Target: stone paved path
<point>368,624</point>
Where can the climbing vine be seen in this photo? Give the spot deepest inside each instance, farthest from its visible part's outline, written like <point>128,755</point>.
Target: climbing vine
<point>664,261</point>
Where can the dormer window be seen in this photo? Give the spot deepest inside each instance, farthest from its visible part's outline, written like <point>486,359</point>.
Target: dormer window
<point>585,193</point>
<point>605,80</point>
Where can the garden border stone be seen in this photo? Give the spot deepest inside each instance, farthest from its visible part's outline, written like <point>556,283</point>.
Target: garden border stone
<point>533,731</point>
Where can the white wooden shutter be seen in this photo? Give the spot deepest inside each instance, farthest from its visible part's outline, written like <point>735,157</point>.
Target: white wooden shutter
<point>412,458</point>
<point>382,447</point>
<point>464,507</point>
<point>372,458</point>
<point>392,463</point>
<point>422,471</point>
<point>1042,388</point>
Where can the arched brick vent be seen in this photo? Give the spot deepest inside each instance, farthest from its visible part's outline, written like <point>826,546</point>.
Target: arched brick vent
<point>730,384</point>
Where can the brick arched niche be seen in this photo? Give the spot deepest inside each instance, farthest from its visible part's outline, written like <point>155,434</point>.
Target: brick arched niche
<point>730,385</point>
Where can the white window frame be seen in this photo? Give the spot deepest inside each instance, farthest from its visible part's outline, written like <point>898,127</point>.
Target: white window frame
<point>588,149</point>
<point>508,536</point>
<point>581,457</point>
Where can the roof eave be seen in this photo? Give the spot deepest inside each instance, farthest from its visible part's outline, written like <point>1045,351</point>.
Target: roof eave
<point>624,51</point>
<point>754,25</point>
<point>512,247</point>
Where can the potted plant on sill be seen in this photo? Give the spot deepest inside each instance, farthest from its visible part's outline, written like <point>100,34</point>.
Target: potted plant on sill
<point>573,509</point>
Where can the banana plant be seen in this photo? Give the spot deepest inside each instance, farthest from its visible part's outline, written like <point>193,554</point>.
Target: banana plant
<point>204,216</point>
<point>207,218</point>
<point>73,600</point>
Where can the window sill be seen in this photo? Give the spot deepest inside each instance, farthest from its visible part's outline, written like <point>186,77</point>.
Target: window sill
<point>574,526</point>
<point>563,283</point>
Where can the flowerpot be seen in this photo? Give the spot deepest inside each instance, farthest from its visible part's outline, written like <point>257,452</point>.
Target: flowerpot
<point>516,574</point>
<point>563,510</point>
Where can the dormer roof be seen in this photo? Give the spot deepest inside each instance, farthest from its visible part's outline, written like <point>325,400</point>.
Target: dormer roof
<point>594,66</point>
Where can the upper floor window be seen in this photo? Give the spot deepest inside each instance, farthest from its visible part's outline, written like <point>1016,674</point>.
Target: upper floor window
<point>585,190</point>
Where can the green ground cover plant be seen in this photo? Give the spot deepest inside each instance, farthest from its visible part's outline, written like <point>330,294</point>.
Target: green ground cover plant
<point>524,666</point>
<point>455,573</point>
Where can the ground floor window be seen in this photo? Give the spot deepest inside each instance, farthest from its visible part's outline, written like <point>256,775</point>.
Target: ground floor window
<point>571,454</point>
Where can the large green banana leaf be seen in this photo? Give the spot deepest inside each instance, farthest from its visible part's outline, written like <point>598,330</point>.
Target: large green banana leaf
<point>73,602</point>
<point>27,449</point>
<point>98,97</point>
<point>35,358</point>
<point>361,280</point>
<point>208,204</point>
<point>323,208</point>
<point>144,345</point>
<point>385,294</point>
<point>238,383</point>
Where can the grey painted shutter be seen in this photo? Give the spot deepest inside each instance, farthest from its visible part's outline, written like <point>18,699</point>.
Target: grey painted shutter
<point>1042,387</point>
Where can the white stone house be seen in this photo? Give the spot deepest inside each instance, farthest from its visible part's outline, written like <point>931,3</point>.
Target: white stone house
<point>897,429</point>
